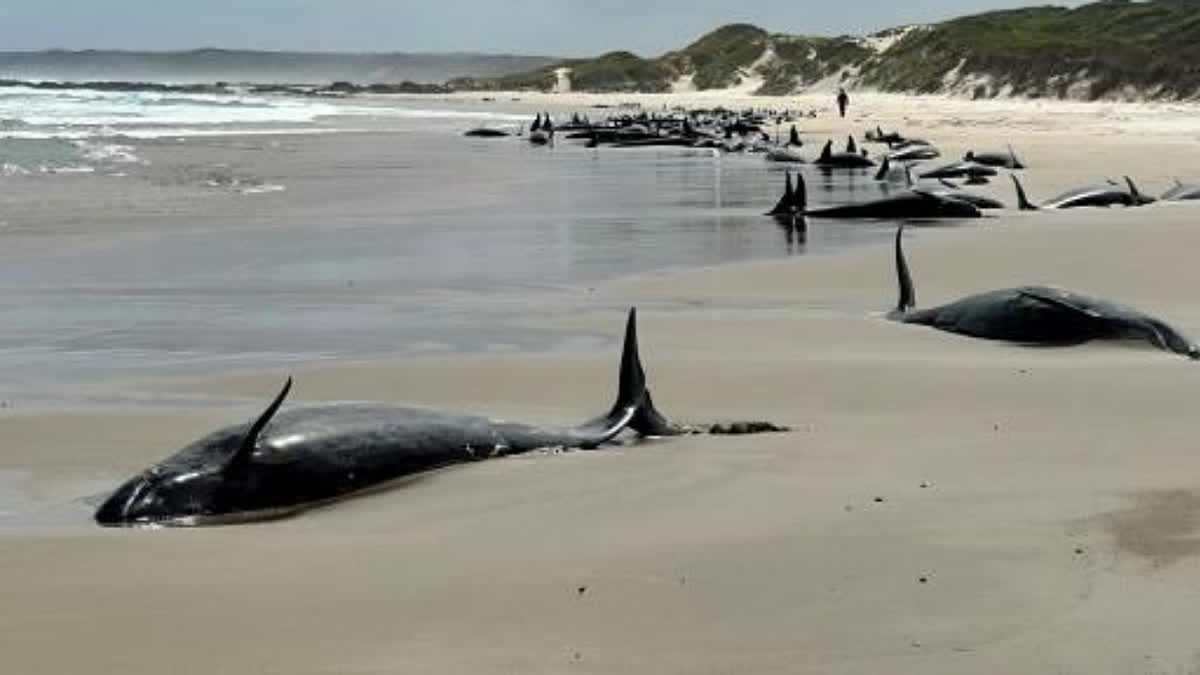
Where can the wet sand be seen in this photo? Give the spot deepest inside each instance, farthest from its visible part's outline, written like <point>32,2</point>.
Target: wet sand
<point>944,504</point>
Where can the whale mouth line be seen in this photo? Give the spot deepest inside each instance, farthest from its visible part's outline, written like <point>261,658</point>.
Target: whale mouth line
<point>233,518</point>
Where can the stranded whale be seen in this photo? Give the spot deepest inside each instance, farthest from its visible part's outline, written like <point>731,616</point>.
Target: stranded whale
<point>1035,315</point>
<point>286,461</point>
<point>841,160</point>
<point>1095,195</point>
<point>910,204</point>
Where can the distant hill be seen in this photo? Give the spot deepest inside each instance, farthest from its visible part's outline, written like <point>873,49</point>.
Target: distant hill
<point>213,65</point>
<point>1110,49</point>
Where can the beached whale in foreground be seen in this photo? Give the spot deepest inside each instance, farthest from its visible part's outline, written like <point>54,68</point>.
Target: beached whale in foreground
<point>1036,315</point>
<point>286,461</point>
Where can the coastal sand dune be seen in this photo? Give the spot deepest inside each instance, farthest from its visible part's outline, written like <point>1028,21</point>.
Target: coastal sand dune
<point>943,505</point>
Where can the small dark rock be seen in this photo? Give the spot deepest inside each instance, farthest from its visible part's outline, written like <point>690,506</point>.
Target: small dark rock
<point>742,428</point>
<point>923,580</point>
<point>581,590</point>
<point>878,500</point>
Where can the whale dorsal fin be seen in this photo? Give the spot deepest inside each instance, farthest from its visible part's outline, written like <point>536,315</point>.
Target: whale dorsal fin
<point>826,151</point>
<point>908,296</point>
<point>908,179</point>
<point>1133,191</point>
<point>1023,202</point>
<point>240,458</point>
<point>883,168</point>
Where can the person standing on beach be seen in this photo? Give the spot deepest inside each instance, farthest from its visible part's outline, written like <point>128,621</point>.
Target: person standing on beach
<point>843,100</point>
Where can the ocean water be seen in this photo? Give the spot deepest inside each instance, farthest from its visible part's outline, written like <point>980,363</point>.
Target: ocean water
<point>80,130</point>
<point>475,238</point>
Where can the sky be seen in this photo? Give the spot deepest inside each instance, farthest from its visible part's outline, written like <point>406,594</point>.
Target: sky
<point>543,27</point>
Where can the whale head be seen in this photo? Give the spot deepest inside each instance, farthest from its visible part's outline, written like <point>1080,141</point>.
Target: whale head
<point>182,493</point>
<point>150,499</point>
<point>208,478</point>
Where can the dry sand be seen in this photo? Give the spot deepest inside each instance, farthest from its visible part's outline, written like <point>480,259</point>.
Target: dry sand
<point>945,505</point>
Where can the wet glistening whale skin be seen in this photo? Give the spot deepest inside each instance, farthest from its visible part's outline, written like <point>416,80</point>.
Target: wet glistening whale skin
<point>1036,315</point>
<point>286,461</point>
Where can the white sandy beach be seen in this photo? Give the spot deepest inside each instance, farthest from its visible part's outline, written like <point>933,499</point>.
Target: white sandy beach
<point>943,505</point>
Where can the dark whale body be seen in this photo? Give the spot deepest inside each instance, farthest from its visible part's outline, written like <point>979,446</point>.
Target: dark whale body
<point>1181,192</point>
<point>911,204</point>
<point>1001,160</point>
<point>841,160</point>
<point>964,169</point>
<point>915,153</point>
<point>1095,195</point>
<point>486,132</point>
<point>286,461</point>
<point>1036,315</point>
<point>950,191</point>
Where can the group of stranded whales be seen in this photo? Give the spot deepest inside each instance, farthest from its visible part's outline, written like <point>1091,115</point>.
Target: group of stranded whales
<point>289,460</point>
<point>944,199</point>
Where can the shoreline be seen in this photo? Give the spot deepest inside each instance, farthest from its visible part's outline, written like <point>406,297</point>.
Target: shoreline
<point>944,504</point>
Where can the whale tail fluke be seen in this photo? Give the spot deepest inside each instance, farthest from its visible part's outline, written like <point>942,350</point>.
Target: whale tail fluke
<point>1022,199</point>
<point>632,391</point>
<point>784,205</point>
<point>908,296</point>
<point>800,196</point>
<point>634,408</point>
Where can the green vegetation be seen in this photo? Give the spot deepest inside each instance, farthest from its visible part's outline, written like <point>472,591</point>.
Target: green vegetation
<point>1042,51</point>
<point>620,71</point>
<point>1102,49</point>
<point>715,59</point>
<point>542,79</point>
<point>804,60</point>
